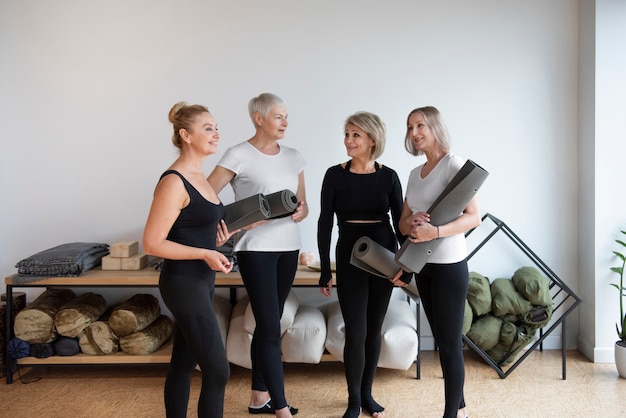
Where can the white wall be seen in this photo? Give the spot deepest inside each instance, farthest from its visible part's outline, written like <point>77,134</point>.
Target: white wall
<point>603,146</point>
<point>86,88</point>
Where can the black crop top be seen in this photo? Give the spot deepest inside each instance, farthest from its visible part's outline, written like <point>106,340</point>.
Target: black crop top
<point>353,197</point>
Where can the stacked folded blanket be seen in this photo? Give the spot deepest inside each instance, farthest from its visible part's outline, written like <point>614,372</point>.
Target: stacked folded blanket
<point>71,259</point>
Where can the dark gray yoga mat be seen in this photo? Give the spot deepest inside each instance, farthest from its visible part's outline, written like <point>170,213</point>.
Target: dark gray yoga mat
<point>282,203</point>
<point>372,257</point>
<point>246,211</point>
<point>447,207</point>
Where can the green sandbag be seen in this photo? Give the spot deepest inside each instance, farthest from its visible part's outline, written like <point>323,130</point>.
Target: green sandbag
<point>468,317</point>
<point>538,317</point>
<point>479,294</point>
<point>513,339</point>
<point>532,285</point>
<point>506,299</point>
<point>485,332</point>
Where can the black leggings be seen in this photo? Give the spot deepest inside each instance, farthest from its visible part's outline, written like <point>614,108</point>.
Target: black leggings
<point>443,291</point>
<point>197,341</point>
<point>268,277</point>
<point>363,299</point>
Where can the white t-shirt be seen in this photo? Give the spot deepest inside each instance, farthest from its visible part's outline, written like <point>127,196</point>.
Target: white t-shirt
<point>422,192</point>
<point>255,173</point>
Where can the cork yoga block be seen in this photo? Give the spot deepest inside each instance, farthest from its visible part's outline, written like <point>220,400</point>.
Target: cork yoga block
<point>35,323</point>
<point>149,339</point>
<point>134,314</point>
<point>111,263</point>
<point>124,249</point>
<point>135,262</point>
<point>73,317</point>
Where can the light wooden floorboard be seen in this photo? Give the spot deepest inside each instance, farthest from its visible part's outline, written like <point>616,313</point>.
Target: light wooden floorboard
<point>534,389</point>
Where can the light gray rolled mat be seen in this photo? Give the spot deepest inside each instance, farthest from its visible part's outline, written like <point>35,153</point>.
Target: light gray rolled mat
<point>282,203</point>
<point>411,290</point>
<point>447,207</point>
<point>372,257</point>
<point>246,211</point>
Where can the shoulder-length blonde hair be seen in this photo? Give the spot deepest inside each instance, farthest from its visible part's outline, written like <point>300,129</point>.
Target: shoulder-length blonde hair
<point>373,126</point>
<point>434,120</point>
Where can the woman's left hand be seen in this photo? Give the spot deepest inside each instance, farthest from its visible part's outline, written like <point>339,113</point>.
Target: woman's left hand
<point>299,214</point>
<point>423,231</point>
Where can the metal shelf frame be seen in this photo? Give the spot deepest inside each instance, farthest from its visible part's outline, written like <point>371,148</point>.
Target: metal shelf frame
<point>565,300</point>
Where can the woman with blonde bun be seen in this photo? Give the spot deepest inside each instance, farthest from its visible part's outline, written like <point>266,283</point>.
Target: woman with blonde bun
<point>184,227</point>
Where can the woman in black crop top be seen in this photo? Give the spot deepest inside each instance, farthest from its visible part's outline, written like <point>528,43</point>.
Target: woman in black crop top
<point>182,228</point>
<point>361,193</point>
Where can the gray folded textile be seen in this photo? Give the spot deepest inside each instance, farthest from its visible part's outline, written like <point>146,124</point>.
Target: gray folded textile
<point>28,278</point>
<point>246,211</point>
<point>69,259</point>
<point>372,257</point>
<point>282,203</point>
<point>448,206</point>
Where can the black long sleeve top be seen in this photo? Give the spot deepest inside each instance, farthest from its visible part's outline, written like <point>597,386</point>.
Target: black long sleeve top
<point>351,197</point>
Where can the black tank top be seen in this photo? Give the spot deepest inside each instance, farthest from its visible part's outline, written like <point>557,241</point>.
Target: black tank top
<point>195,226</point>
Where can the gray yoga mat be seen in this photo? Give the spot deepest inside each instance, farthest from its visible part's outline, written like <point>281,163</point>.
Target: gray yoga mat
<point>372,257</point>
<point>447,207</point>
<point>411,290</point>
<point>246,211</point>
<point>282,203</point>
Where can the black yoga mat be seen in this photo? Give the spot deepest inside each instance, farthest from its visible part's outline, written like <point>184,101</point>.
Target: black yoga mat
<point>246,211</point>
<point>282,203</point>
<point>447,207</point>
<point>372,257</point>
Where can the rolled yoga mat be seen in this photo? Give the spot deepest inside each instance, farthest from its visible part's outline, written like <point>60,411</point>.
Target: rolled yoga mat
<point>372,257</point>
<point>282,203</point>
<point>447,207</point>
<point>246,211</point>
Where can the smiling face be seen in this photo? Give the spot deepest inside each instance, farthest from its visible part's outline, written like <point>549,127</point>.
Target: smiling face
<point>419,132</point>
<point>202,136</point>
<point>275,123</point>
<point>358,143</point>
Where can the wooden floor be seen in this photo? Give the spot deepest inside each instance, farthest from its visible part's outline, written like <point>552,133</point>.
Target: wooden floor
<point>534,389</point>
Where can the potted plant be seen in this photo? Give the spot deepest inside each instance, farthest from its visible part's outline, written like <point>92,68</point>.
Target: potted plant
<point>620,345</point>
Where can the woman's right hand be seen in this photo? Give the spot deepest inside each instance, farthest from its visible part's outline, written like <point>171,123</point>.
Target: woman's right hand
<point>419,218</point>
<point>218,261</point>
<point>397,279</point>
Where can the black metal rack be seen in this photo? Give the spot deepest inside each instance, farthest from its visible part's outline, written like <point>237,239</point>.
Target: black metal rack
<point>564,299</point>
